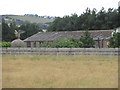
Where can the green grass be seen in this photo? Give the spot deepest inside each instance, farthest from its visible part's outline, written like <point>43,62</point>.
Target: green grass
<point>45,71</point>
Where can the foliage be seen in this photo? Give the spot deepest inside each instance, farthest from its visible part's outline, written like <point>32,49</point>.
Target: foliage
<point>115,41</point>
<point>90,19</point>
<point>67,43</point>
<point>30,29</point>
<point>5,44</point>
<point>8,30</point>
<point>46,44</point>
<point>87,40</point>
<point>118,20</point>
<point>63,43</point>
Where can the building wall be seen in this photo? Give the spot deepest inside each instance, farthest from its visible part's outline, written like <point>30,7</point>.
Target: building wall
<point>101,43</point>
<point>98,44</point>
<point>34,44</point>
<point>105,45</point>
<point>28,44</point>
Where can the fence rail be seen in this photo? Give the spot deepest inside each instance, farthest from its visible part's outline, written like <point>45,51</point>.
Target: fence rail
<point>62,51</point>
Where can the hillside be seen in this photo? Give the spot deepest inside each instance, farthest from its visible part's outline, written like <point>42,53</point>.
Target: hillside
<point>31,19</point>
<point>42,21</point>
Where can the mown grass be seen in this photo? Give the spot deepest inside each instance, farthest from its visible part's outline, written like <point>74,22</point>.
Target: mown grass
<point>45,71</point>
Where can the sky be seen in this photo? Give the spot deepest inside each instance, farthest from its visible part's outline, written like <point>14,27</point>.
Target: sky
<point>53,7</point>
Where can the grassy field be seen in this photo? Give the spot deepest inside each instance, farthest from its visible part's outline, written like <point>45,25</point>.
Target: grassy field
<point>30,71</point>
<point>32,19</point>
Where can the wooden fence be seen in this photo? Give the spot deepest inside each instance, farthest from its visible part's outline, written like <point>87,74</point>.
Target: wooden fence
<point>62,51</point>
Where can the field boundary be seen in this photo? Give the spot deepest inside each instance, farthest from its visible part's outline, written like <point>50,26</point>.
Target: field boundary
<point>62,51</point>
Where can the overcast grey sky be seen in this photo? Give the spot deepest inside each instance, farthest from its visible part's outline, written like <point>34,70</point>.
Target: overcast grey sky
<point>53,7</point>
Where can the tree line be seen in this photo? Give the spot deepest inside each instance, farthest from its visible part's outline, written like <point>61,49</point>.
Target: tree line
<point>90,20</point>
<point>8,31</point>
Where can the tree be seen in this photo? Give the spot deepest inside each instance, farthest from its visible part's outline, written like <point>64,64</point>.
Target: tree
<point>114,41</point>
<point>87,40</point>
<point>29,29</point>
<point>7,33</point>
<point>9,30</point>
<point>90,19</point>
<point>118,21</point>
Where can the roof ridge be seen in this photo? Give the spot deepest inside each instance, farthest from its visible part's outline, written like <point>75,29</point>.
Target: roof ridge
<point>88,30</point>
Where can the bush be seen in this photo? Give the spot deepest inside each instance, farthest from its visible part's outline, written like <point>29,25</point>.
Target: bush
<point>67,43</point>
<point>114,41</point>
<point>5,44</point>
<point>63,43</point>
<point>87,40</point>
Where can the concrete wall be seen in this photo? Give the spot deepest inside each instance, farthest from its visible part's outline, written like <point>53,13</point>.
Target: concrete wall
<point>62,51</point>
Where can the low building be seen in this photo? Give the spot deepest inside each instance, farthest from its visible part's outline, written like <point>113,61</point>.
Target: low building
<point>18,43</point>
<point>101,37</point>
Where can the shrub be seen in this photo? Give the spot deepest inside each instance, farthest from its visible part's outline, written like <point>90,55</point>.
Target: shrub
<point>67,43</point>
<point>87,40</point>
<point>5,44</point>
<point>114,41</point>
